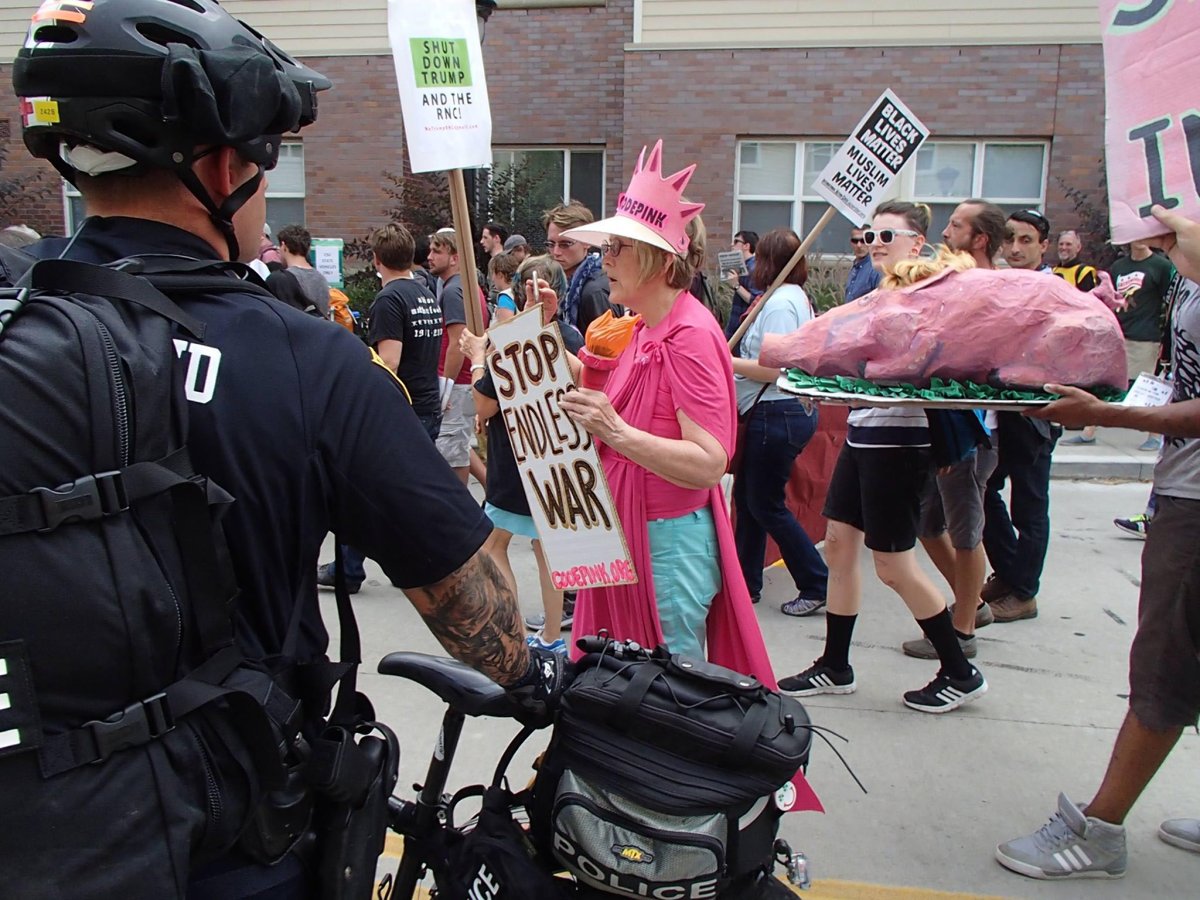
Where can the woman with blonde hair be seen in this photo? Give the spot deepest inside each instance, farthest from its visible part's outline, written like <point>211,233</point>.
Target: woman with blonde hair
<point>665,426</point>
<point>875,498</point>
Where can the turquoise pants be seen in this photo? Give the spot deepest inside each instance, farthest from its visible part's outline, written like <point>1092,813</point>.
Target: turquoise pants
<point>686,564</point>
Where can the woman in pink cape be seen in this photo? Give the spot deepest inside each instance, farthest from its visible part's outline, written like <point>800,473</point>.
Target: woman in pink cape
<point>665,425</point>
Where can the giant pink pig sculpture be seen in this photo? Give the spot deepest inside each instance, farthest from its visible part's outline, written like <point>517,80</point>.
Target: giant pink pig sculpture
<point>1006,327</point>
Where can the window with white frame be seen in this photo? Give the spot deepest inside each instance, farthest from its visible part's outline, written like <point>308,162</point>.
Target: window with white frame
<point>559,174</point>
<point>1011,174</point>
<point>285,192</point>
<point>774,183</point>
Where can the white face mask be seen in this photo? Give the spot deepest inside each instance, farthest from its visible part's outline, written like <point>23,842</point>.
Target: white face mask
<point>92,160</point>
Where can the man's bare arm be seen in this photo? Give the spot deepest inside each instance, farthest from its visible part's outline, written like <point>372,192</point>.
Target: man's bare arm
<point>474,615</point>
<point>1078,408</point>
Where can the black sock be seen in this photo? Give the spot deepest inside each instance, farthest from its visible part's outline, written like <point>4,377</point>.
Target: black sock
<point>940,631</point>
<point>838,631</point>
<point>963,637</point>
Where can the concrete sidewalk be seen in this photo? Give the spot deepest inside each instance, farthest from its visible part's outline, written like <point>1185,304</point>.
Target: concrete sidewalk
<point>1115,455</point>
<point>944,790</point>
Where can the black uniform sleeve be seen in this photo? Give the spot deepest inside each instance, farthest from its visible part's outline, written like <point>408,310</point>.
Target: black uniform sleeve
<point>1087,279</point>
<point>392,494</point>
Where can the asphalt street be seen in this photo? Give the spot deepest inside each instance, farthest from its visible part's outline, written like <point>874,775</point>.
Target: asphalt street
<point>942,790</point>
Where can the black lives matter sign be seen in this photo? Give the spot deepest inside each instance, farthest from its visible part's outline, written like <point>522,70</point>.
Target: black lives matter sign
<point>863,169</point>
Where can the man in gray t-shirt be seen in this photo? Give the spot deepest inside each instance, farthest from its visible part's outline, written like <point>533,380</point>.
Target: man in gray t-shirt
<point>1164,659</point>
<point>299,284</point>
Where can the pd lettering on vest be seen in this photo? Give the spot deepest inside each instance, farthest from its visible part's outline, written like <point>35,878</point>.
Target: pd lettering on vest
<point>200,382</point>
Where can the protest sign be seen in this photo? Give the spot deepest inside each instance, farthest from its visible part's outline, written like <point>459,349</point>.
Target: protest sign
<point>443,90</point>
<point>327,259</point>
<point>731,261</point>
<point>560,468</point>
<point>1152,124</point>
<point>865,166</point>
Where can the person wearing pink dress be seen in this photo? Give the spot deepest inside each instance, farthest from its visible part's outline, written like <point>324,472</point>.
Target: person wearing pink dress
<point>665,423</point>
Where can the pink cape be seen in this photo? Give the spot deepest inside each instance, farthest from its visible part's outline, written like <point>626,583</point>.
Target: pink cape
<point>630,612</point>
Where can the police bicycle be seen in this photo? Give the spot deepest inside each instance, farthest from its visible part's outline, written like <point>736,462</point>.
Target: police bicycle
<point>427,822</point>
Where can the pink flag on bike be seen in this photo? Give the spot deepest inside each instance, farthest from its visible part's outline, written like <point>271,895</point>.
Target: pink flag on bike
<point>1152,126</point>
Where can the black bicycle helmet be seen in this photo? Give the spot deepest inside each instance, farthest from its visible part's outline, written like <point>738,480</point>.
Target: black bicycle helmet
<point>155,79</point>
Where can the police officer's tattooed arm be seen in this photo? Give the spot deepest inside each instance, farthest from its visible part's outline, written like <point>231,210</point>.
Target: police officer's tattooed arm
<point>474,614</point>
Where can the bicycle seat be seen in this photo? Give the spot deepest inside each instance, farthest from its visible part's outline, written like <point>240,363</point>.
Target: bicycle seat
<point>460,686</point>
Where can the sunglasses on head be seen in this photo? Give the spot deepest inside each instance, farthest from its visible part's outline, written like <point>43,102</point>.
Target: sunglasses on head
<point>886,235</point>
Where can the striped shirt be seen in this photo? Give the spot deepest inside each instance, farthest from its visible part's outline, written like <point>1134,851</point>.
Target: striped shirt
<point>888,426</point>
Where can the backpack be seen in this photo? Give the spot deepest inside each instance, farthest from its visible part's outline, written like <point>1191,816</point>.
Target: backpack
<point>340,312</point>
<point>137,739</point>
<point>661,775</point>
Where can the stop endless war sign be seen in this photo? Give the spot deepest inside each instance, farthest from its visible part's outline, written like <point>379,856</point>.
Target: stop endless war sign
<point>865,166</point>
<point>443,91</point>
<point>560,468</point>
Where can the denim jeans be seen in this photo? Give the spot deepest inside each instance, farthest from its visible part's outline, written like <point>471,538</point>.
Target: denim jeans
<point>1016,536</point>
<point>355,568</point>
<point>776,432</point>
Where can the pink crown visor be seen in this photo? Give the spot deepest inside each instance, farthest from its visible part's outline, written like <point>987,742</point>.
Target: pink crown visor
<point>651,209</point>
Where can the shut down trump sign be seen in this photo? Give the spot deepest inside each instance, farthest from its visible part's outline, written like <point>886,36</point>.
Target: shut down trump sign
<point>560,468</point>
<point>443,91</point>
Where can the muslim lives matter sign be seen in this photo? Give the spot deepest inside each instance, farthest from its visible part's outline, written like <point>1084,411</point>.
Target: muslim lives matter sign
<point>443,90</point>
<point>1152,125</point>
<point>861,172</point>
<point>560,468</point>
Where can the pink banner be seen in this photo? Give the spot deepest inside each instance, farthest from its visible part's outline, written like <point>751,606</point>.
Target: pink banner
<point>1152,130</point>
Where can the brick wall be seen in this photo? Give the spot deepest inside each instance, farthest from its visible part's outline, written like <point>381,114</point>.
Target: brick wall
<point>562,76</point>
<point>701,102</point>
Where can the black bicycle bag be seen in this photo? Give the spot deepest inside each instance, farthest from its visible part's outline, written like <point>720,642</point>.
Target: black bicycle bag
<point>661,774</point>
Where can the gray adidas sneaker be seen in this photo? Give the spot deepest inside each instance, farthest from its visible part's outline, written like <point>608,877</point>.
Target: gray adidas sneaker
<point>1183,833</point>
<point>1070,845</point>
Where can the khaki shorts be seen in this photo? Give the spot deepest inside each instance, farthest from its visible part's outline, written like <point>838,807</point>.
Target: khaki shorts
<point>1141,356</point>
<point>1164,661</point>
<point>954,501</point>
<point>454,440</point>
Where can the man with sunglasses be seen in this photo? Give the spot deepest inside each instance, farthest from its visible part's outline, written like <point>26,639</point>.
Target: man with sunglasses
<point>863,277</point>
<point>1016,536</point>
<point>744,291</point>
<point>587,290</point>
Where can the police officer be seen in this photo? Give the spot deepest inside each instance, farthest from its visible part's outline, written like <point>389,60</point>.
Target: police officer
<point>167,116</point>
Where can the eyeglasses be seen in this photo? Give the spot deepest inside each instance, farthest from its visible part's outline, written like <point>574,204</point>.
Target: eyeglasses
<point>613,248</point>
<point>886,235</point>
<point>857,241</point>
<point>737,241</point>
<point>561,245</point>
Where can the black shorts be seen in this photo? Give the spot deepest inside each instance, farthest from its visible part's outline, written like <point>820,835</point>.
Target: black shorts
<point>1164,661</point>
<point>878,491</point>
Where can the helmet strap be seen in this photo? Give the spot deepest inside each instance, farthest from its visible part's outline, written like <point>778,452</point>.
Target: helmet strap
<point>222,216</point>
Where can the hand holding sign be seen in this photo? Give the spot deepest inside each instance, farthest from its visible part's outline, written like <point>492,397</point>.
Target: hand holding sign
<point>473,347</point>
<point>1182,246</point>
<point>594,412</point>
